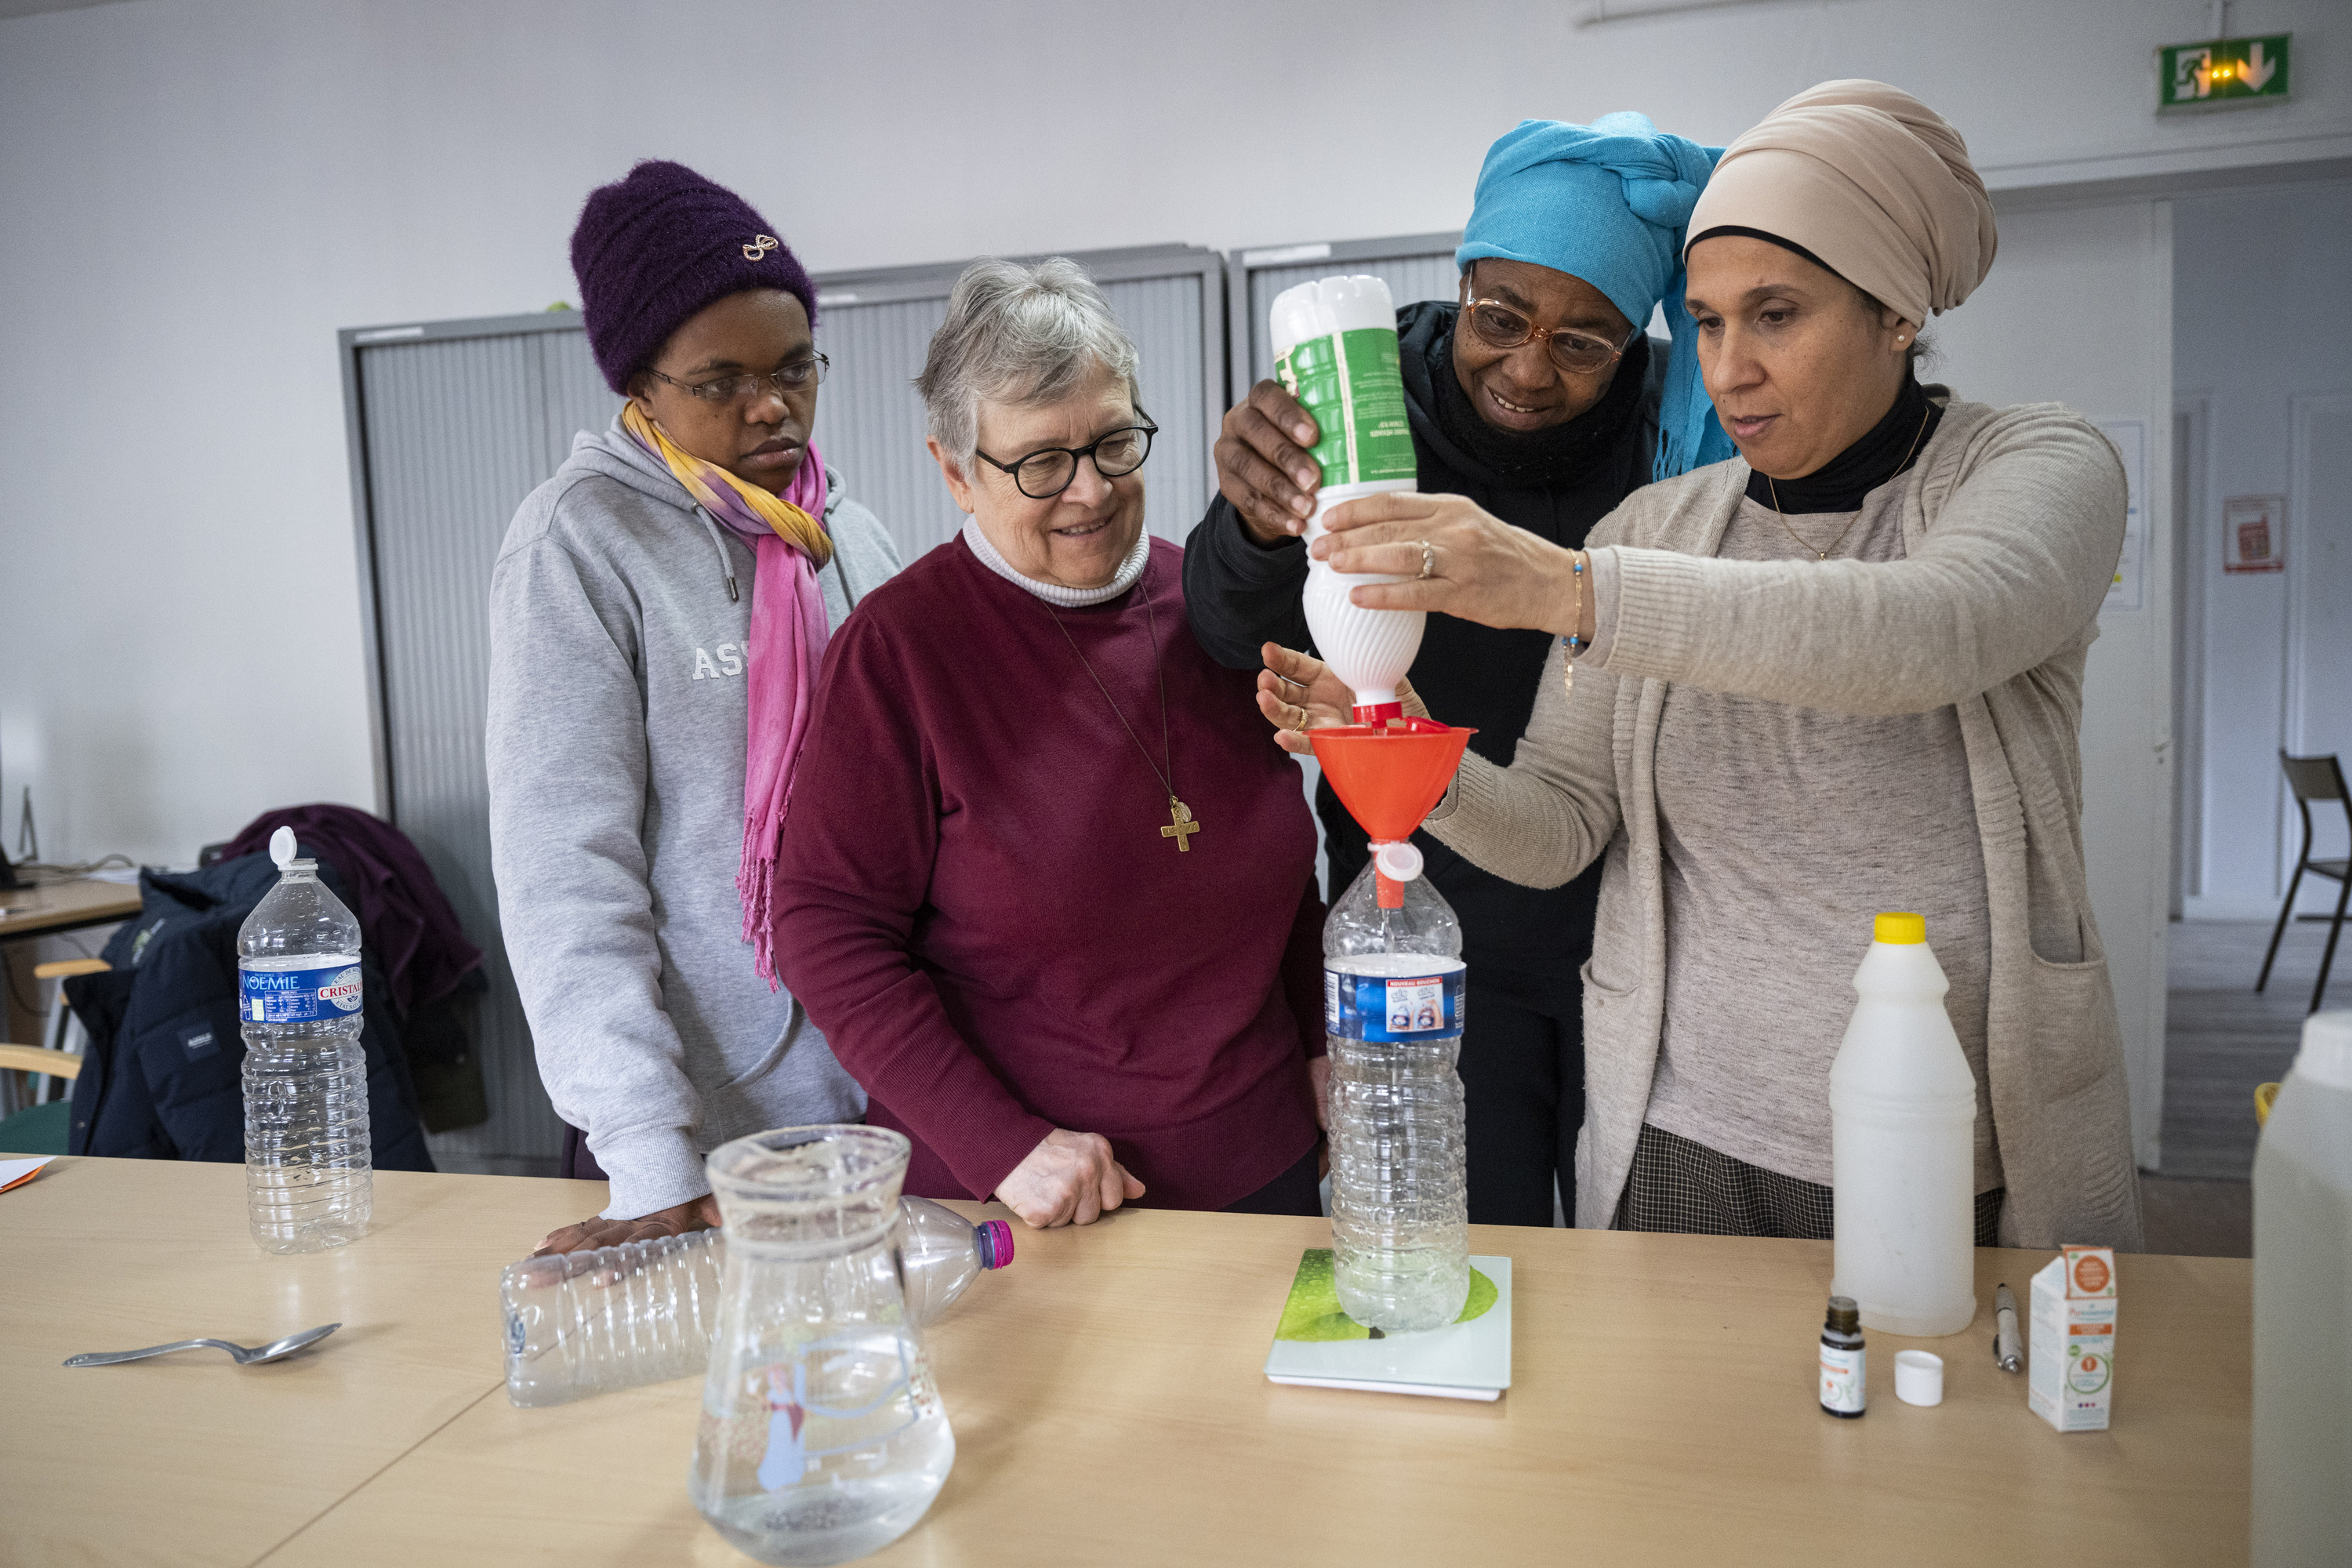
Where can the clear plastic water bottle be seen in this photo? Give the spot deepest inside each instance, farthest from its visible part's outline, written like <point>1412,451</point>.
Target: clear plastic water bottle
<point>591,1322</point>
<point>309,1178</point>
<point>1393,996</point>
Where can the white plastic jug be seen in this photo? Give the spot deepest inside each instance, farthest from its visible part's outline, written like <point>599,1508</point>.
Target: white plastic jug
<point>1334,348</point>
<point>2303,1306</point>
<point>1903,1111</point>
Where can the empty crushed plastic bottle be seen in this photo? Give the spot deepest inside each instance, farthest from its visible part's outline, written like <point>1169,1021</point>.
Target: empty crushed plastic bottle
<point>1393,980</point>
<point>309,1176</point>
<point>590,1322</point>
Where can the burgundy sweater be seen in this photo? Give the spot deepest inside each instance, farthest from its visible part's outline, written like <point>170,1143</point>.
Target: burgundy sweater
<point>976,905</point>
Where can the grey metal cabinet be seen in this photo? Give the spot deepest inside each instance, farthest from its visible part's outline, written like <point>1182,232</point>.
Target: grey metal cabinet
<point>877,324</point>
<point>451,425</point>
<point>1413,266</point>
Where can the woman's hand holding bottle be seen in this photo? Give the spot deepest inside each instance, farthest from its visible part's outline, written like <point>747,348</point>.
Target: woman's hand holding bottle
<point>1264,463</point>
<point>1480,568</point>
<point>1296,693</point>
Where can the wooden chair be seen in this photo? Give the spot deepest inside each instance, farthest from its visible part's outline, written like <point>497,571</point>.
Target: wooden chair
<point>2313,778</point>
<point>63,1032</point>
<point>35,1059</point>
<point>43,1127</point>
<point>57,1060</point>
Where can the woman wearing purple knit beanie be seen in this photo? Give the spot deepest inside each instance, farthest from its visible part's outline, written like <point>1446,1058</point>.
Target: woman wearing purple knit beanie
<point>658,615</point>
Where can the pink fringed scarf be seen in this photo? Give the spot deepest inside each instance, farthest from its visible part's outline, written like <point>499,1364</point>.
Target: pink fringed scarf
<point>786,646</point>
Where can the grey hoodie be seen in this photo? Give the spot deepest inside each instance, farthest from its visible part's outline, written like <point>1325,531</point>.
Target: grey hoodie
<point>616,753</point>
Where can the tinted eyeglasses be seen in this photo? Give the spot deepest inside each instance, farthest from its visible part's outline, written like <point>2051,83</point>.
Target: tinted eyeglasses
<point>1047,472</point>
<point>1506,327</point>
<point>796,376</point>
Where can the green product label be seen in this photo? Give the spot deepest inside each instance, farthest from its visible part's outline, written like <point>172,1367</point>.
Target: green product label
<point>1349,382</point>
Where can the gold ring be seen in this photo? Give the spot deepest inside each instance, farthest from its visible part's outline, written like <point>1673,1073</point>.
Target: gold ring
<point>1428,560</point>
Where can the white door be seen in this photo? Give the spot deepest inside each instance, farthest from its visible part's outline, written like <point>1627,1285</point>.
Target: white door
<point>2319,617</point>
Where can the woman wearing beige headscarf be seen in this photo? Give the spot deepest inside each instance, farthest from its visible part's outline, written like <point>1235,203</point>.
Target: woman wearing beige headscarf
<point>1837,675</point>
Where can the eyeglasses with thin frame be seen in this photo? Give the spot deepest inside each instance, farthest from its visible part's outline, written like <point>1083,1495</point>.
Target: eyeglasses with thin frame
<point>1501,326</point>
<point>795,377</point>
<point>1047,472</point>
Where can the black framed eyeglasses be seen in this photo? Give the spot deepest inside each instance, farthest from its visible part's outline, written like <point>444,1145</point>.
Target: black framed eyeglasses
<point>1506,327</point>
<point>797,376</point>
<point>1047,472</point>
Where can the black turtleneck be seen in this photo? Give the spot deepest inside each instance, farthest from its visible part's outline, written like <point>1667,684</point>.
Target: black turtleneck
<point>1888,447</point>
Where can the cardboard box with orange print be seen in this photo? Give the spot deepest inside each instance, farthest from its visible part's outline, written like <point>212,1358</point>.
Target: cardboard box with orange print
<point>2071,1382</point>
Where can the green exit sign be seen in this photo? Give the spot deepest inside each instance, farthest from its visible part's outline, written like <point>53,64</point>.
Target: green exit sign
<point>2225,72</point>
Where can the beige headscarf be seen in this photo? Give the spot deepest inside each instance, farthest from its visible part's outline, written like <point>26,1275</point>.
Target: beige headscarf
<point>1872,181</point>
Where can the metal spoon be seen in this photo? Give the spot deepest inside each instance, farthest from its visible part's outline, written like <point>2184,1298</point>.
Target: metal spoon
<point>244,1357</point>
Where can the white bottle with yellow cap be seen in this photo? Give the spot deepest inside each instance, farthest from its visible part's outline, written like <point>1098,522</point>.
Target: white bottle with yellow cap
<point>1903,1110</point>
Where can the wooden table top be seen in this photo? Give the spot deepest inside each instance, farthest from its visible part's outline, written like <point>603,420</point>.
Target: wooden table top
<point>1108,1399</point>
<point>80,903</point>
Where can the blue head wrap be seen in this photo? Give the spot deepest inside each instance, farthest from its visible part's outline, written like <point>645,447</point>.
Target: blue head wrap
<point>1608,202</point>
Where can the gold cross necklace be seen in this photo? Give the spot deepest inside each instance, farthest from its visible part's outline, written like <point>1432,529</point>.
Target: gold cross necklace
<point>1181,826</point>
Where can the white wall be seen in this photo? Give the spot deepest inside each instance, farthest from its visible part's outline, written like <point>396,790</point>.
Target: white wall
<point>198,192</point>
<point>2262,317</point>
<point>2078,309</point>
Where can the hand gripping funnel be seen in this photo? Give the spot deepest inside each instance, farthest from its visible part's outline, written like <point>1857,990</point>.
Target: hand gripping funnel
<point>1390,777</point>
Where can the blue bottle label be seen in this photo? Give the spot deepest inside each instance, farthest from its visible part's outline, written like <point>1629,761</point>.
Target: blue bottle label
<point>1393,1006</point>
<point>298,995</point>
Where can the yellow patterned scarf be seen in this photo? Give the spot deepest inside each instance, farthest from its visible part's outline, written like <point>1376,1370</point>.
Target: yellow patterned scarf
<point>785,646</point>
<point>737,502</point>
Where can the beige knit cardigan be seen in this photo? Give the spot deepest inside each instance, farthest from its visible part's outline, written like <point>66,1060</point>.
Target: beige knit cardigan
<point>2013,521</point>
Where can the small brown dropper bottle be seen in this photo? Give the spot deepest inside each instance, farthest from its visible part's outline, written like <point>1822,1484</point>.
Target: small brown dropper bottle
<point>1844,1378</point>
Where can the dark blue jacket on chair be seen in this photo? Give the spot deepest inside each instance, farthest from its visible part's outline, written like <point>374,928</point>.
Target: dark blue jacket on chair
<point>160,1076</point>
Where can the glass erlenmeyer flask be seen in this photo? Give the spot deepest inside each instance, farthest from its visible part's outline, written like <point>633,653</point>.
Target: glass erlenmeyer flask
<point>821,1436</point>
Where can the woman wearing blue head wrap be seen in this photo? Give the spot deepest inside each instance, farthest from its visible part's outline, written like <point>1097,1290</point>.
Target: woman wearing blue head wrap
<point>1535,401</point>
<point>1606,204</point>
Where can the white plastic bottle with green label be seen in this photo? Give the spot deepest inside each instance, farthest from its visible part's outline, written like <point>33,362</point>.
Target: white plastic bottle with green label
<point>1903,1111</point>
<point>309,1176</point>
<point>1335,350</point>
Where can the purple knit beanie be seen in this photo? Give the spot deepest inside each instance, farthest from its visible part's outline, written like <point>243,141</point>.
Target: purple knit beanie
<point>657,246</point>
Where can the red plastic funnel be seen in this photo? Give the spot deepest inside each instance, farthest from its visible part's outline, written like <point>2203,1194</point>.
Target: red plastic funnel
<point>1390,777</point>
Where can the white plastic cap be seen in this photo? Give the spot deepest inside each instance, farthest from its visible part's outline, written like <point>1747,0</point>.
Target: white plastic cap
<point>1918,1377</point>
<point>1398,862</point>
<point>282,848</point>
<point>2327,1054</point>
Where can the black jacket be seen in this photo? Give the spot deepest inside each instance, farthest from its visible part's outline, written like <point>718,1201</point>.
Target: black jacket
<point>1240,595</point>
<point>160,1076</point>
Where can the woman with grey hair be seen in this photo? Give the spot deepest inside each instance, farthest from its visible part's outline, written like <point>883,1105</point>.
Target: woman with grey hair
<point>1047,884</point>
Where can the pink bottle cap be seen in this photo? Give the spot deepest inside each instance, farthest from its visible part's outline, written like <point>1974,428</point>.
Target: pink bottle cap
<point>995,1243</point>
